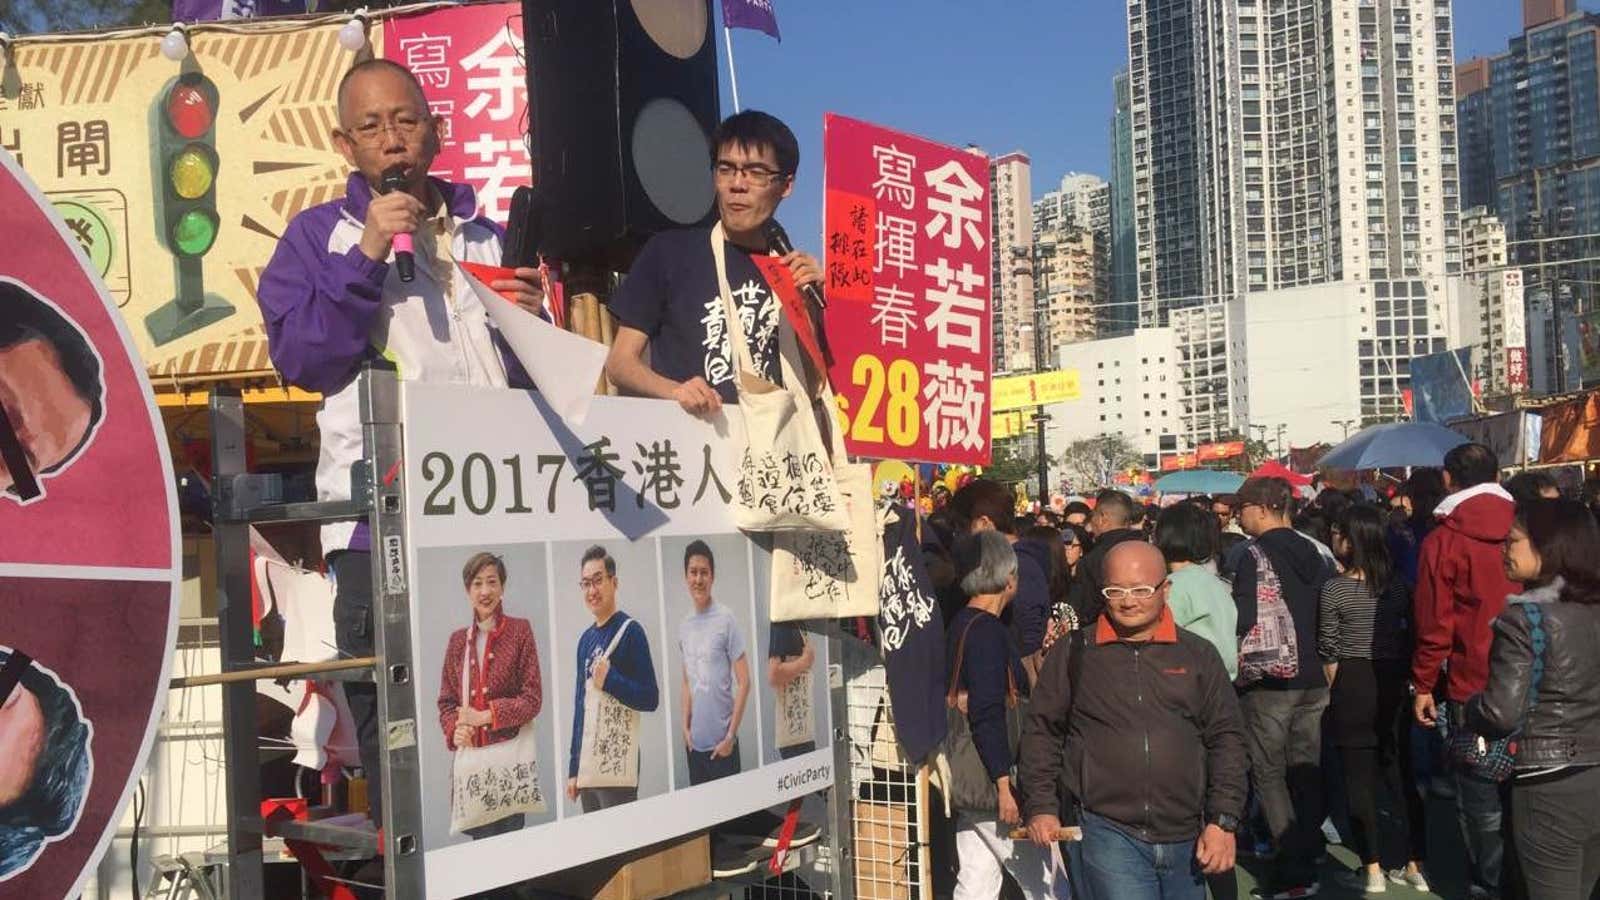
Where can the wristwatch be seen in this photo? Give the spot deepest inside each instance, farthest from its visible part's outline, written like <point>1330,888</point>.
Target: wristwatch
<point>1227,823</point>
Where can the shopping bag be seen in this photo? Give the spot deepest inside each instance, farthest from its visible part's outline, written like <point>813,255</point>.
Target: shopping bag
<point>490,783</point>
<point>831,574</point>
<point>610,753</point>
<point>786,477</point>
<point>797,719</point>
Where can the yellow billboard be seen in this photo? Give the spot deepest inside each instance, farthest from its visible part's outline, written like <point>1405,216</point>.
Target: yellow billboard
<point>247,117</point>
<point>1035,388</point>
<point>1008,424</point>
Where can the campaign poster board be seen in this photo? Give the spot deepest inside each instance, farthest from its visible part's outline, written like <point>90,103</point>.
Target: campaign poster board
<point>89,560</point>
<point>1036,389</point>
<point>92,123</point>
<point>907,266</point>
<point>496,470</point>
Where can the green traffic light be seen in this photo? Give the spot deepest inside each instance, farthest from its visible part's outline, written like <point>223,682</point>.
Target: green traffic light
<point>194,232</point>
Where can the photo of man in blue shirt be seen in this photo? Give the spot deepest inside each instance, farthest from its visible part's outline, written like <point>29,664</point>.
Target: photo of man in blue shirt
<point>613,657</point>
<point>716,674</point>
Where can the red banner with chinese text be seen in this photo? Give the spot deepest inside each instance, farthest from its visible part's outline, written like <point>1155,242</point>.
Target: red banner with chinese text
<point>907,260</point>
<point>1178,461</point>
<point>471,64</point>
<point>1222,450</point>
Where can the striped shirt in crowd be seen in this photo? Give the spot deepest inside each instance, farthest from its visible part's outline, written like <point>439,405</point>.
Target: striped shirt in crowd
<point>1352,623</point>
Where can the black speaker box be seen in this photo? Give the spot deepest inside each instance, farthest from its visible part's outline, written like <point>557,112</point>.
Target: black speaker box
<point>624,100</point>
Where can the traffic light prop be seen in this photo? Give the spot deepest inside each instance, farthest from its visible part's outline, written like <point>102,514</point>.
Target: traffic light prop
<point>186,203</point>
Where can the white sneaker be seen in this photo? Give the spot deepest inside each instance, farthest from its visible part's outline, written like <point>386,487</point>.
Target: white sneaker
<point>1416,880</point>
<point>1366,882</point>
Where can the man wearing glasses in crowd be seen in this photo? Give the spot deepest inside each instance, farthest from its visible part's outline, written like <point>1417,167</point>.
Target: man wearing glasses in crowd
<point>1148,708</point>
<point>331,300</point>
<point>670,302</point>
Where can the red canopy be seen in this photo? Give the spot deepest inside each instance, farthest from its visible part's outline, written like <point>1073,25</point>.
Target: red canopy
<point>1274,469</point>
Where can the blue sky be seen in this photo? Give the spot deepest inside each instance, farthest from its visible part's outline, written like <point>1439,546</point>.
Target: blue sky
<point>1033,75</point>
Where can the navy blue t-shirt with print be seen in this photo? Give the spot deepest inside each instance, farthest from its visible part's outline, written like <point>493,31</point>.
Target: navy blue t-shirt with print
<point>671,295</point>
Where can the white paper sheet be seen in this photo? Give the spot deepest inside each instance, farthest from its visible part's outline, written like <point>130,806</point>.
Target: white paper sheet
<point>564,366</point>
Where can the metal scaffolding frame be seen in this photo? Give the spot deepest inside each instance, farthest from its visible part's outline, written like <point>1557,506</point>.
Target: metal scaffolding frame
<point>242,499</point>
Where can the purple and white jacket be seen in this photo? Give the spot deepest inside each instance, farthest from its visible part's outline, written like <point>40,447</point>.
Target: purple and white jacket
<point>328,308</point>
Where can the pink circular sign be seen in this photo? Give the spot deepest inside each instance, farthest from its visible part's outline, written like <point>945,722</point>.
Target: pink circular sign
<point>89,563</point>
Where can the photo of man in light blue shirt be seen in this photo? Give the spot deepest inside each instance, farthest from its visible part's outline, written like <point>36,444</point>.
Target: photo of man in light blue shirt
<point>716,674</point>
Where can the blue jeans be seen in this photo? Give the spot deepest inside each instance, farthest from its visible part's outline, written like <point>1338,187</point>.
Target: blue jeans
<point>1118,866</point>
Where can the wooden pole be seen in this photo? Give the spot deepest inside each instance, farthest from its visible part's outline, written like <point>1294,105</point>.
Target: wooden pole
<point>924,837</point>
<point>272,673</point>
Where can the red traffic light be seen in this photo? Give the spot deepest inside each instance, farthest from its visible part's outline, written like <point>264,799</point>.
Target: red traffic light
<point>189,110</point>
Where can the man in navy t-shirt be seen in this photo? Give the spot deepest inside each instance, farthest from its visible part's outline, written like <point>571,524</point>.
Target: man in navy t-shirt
<point>670,302</point>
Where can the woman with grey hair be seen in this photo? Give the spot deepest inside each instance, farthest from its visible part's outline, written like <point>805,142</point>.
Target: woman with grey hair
<point>985,679</point>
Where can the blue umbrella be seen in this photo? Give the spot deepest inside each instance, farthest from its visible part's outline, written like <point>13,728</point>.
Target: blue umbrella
<point>1199,481</point>
<point>1393,446</point>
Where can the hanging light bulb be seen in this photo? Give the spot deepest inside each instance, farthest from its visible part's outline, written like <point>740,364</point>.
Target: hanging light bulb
<point>353,36</point>
<point>175,46</point>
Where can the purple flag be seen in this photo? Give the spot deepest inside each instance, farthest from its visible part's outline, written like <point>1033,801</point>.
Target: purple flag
<point>210,10</point>
<point>756,15</point>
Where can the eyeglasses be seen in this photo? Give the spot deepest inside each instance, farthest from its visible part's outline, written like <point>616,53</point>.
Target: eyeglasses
<point>591,582</point>
<point>23,480</point>
<point>758,174</point>
<point>1142,592</point>
<point>371,133</point>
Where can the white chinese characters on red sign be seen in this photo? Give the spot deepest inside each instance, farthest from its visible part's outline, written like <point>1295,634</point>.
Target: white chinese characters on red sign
<point>907,276</point>
<point>471,63</point>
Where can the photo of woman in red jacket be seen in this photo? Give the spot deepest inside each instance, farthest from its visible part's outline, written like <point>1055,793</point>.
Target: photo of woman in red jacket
<point>500,662</point>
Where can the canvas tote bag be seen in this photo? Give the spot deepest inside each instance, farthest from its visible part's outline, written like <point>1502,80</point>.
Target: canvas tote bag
<point>488,784</point>
<point>832,574</point>
<point>786,478</point>
<point>797,720</point>
<point>610,753</point>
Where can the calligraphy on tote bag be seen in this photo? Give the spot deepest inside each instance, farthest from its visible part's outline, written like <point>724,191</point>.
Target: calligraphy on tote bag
<point>610,753</point>
<point>832,574</point>
<point>489,783</point>
<point>786,479</point>
<point>797,720</point>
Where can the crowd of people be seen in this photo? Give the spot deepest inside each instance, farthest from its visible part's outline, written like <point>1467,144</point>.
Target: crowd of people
<point>1263,673</point>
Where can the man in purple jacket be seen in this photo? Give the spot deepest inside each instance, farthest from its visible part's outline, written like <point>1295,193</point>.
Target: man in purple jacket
<point>331,300</point>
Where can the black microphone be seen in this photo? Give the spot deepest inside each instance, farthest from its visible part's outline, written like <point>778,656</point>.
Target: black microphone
<point>521,246</point>
<point>394,179</point>
<point>778,242</point>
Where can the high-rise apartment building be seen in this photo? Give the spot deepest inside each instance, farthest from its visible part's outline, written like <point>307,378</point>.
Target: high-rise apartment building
<point>1120,315</point>
<point>1165,80</point>
<point>1280,143</point>
<point>1475,124</point>
<point>1068,271</point>
<point>1083,202</point>
<point>1530,133</point>
<point>1011,200</point>
<point>1492,315</point>
<point>1288,144</point>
